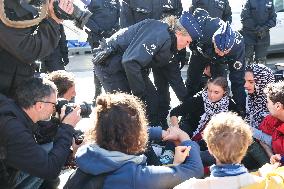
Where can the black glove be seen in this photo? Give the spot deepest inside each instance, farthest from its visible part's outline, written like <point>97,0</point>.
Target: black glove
<point>61,14</point>
<point>80,17</point>
<point>261,32</point>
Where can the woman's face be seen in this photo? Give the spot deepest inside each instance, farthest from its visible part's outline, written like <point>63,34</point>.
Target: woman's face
<point>249,82</point>
<point>215,92</point>
<point>182,40</point>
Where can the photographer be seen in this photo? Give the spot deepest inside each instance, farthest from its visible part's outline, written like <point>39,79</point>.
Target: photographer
<point>24,163</point>
<point>21,45</point>
<point>65,83</point>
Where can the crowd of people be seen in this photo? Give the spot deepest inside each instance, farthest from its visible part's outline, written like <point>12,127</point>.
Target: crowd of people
<point>214,138</point>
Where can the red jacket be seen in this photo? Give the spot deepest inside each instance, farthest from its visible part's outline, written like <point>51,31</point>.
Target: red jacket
<point>274,127</point>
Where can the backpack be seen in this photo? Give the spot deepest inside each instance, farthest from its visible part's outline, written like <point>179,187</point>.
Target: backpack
<point>80,179</point>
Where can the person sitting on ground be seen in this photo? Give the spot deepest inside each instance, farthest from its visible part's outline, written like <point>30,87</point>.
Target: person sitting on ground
<point>271,129</point>
<point>257,76</point>
<point>228,137</point>
<point>65,83</point>
<point>200,108</point>
<point>113,146</point>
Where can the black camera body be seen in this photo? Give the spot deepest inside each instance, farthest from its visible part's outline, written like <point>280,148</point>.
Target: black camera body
<point>47,130</point>
<point>86,109</point>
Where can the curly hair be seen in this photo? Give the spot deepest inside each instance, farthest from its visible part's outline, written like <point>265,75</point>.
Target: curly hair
<point>120,124</point>
<point>63,80</point>
<point>228,137</point>
<point>275,92</point>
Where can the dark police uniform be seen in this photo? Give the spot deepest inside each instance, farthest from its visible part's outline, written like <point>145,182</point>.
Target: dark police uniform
<point>59,57</point>
<point>257,17</point>
<point>133,11</point>
<point>215,8</point>
<point>102,24</point>
<point>204,52</point>
<point>147,44</point>
<point>19,48</point>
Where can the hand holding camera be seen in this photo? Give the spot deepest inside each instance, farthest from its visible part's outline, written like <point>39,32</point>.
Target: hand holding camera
<point>58,8</point>
<point>70,118</point>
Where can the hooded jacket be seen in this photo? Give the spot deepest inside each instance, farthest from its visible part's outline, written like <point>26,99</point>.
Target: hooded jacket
<point>130,171</point>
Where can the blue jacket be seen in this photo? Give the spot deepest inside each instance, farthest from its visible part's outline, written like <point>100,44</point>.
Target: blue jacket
<point>257,17</point>
<point>215,8</point>
<point>130,171</point>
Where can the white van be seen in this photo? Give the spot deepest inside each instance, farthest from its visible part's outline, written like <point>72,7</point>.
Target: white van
<point>276,33</point>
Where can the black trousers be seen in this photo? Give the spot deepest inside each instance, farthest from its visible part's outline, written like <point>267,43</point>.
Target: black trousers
<point>117,81</point>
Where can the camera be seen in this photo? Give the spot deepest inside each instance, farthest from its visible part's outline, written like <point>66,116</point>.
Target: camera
<point>86,109</point>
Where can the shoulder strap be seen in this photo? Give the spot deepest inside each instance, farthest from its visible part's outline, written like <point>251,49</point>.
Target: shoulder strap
<point>80,179</point>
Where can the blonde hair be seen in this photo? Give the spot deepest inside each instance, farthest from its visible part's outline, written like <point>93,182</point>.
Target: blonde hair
<point>175,25</point>
<point>228,137</point>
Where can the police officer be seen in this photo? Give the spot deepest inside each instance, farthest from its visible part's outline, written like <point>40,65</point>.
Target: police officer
<point>257,17</point>
<point>147,44</point>
<point>59,57</point>
<point>218,45</point>
<point>215,8</point>
<point>19,48</point>
<point>133,11</point>
<point>102,24</point>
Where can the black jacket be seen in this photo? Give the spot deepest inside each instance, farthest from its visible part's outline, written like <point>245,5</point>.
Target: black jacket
<point>104,20</point>
<point>22,151</point>
<point>257,17</point>
<point>133,11</point>
<point>146,44</point>
<point>19,48</point>
<point>193,108</point>
<point>215,8</point>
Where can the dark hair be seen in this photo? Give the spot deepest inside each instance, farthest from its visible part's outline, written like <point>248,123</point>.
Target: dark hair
<point>120,123</point>
<point>33,90</point>
<point>275,92</point>
<point>249,69</point>
<point>220,81</point>
<point>63,80</point>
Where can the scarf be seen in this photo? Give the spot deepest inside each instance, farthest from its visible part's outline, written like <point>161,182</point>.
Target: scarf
<point>210,108</point>
<point>256,108</point>
<point>226,170</point>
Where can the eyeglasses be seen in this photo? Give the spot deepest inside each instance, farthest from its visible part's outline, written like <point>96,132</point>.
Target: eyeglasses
<point>53,103</point>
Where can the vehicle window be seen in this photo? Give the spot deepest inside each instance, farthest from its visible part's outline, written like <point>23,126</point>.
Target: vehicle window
<point>279,5</point>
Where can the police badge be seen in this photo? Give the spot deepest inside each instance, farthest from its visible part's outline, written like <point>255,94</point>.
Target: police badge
<point>237,65</point>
